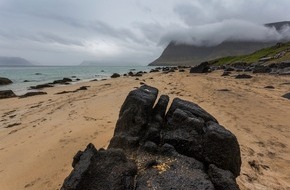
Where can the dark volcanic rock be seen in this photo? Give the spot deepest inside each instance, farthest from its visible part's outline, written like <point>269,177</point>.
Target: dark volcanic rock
<point>226,73</point>
<point>201,68</point>
<point>62,81</point>
<point>115,75</point>
<point>134,116</point>
<point>7,94</point>
<point>5,81</point>
<point>102,170</point>
<point>243,76</point>
<point>261,69</point>
<point>32,94</point>
<point>40,86</point>
<point>184,148</point>
<point>216,149</point>
<point>222,179</point>
<point>269,87</point>
<point>287,95</point>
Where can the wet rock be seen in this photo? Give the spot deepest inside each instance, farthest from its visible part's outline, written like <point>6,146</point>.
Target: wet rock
<point>115,75</point>
<point>243,76</point>
<point>102,170</point>
<point>5,81</point>
<point>201,68</point>
<point>32,94</point>
<point>7,94</point>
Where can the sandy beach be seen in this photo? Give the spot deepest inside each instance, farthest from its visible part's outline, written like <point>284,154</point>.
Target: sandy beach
<point>40,135</point>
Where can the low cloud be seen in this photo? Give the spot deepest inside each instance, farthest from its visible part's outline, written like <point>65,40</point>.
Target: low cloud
<point>227,30</point>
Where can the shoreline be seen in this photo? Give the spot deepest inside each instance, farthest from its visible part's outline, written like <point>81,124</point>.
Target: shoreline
<point>38,152</point>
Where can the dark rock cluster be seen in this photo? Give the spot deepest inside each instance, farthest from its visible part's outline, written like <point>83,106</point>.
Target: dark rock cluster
<point>204,67</point>
<point>183,148</point>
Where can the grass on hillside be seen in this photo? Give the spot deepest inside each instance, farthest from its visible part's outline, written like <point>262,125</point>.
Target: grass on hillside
<point>256,56</point>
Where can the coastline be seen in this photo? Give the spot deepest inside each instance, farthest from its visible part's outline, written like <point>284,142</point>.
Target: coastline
<point>37,153</point>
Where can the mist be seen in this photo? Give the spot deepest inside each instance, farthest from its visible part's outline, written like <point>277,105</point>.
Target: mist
<point>227,30</point>
<point>69,32</point>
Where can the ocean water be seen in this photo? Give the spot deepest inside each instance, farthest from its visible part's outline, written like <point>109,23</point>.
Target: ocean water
<point>41,75</point>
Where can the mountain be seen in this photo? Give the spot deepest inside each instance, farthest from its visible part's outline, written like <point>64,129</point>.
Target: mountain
<point>14,62</point>
<point>278,53</point>
<point>182,54</point>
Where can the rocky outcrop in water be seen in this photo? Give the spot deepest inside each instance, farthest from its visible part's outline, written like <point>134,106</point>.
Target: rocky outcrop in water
<point>5,81</point>
<point>184,148</point>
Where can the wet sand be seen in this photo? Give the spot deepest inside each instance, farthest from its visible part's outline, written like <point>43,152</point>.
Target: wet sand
<point>44,132</point>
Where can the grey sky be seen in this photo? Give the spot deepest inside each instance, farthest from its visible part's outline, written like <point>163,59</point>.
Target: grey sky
<point>65,32</point>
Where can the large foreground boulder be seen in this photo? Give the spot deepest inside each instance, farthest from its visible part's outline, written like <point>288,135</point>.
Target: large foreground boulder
<point>184,148</point>
<point>100,170</point>
<point>5,81</point>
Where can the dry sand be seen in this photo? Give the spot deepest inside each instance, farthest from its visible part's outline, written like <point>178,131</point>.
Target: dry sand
<point>37,153</point>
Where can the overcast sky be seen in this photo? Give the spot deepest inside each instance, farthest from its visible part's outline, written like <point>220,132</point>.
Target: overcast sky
<point>67,32</point>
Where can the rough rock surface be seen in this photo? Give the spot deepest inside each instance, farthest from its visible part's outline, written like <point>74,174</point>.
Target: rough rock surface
<point>184,148</point>
<point>5,81</point>
<point>7,94</point>
<point>201,68</point>
<point>287,96</point>
<point>32,94</point>
<point>101,169</point>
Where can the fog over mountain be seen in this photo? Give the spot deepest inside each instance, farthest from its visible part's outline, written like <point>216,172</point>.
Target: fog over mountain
<point>69,32</point>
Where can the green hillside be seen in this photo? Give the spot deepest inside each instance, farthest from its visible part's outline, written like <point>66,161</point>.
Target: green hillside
<point>278,53</point>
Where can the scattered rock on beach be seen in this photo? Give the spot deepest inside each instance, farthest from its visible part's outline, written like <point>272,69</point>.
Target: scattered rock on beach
<point>287,95</point>
<point>184,148</point>
<point>269,87</point>
<point>226,73</point>
<point>261,69</point>
<point>223,90</point>
<point>115,75</point>
<point>12,125</point>
<point>32,94</point>
<point>62,81</point>
<point>201,68</point>
<point>40,86</point>
<point>81,88</point>
<point>7,94</point>
<point>243,76</point>
<point>5,81</point>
